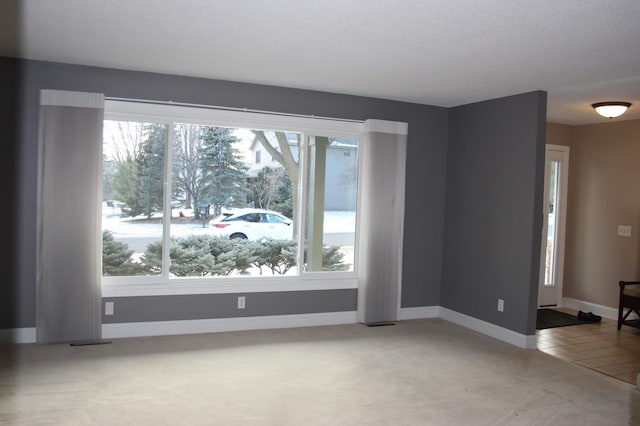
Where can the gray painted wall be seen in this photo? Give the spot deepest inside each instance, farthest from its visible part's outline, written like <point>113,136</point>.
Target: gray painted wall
<point>22,80</point>
<point>493,210</point>
<point>175,308</point>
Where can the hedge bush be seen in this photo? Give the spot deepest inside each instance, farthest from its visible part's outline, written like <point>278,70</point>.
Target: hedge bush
<point>202,255</point>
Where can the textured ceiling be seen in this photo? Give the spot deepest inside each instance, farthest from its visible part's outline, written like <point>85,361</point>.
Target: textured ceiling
<point>436,52</point>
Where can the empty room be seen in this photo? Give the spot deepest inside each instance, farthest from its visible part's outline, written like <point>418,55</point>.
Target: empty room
<point>337,212</point>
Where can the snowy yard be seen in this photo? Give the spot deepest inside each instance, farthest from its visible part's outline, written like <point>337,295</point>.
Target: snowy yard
<point>334,222</point>
<point>139,232</point>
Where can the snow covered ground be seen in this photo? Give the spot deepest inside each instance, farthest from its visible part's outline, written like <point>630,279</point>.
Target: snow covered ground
<point>334,222</point>
<point>137,233</point>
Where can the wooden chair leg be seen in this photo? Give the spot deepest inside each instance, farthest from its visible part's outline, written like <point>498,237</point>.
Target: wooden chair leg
<point>620,310</point>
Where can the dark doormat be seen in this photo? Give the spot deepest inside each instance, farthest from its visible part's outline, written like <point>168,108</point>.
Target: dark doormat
<point>549,318</point>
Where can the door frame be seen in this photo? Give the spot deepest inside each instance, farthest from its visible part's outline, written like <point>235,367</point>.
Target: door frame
<point>562,219</point>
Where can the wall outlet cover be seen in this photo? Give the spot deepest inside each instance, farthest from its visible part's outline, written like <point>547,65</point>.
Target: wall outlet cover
<point>624,230</point>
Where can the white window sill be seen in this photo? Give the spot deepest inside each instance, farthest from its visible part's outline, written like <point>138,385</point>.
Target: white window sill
<point>123,287</point>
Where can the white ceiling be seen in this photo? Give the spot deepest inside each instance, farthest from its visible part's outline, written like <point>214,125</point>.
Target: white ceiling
<point>436,52</point>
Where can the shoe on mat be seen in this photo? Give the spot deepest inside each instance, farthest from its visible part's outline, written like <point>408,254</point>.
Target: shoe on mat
<point>589,317</point>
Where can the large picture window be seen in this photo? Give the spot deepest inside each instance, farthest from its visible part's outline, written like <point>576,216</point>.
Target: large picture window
<point>184,197</point>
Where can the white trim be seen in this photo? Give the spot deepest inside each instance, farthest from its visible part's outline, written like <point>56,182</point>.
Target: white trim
<point>303,194</point>
<point>216,325</point>
<point>226,108</point>
<point>419,312</point>
<point>229,285</point>
<point>384,126</point>
<point>581,305</point>
<point>492,330</point>
<point>167,113</point>
<point>18,335</point>
<point>71,99</point>
<point>400,194</point>
<point>563,151</point>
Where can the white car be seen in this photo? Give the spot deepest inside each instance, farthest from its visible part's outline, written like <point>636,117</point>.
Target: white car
<point>252,224</point>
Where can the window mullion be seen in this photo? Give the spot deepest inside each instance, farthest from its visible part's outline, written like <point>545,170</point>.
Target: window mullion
<point>166,222</point>
<point>303,177</point>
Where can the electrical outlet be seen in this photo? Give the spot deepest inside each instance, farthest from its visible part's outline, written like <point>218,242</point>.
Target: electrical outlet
<point>500,305</point>
<point>108,308</point>
<point>624,230</point>
<point>241,301</point>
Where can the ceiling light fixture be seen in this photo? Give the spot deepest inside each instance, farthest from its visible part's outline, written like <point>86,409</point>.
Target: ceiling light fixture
<point>611,109</point>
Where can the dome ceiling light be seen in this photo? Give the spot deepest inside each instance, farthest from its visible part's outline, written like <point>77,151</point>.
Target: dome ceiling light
<point>611,109</point>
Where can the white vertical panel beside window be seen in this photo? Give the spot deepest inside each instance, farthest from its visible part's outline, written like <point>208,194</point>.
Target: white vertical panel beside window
<point>381,229</point>
<point>69,200</point>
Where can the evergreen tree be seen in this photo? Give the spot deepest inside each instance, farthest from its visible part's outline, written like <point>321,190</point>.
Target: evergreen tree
<point>151,170</point>
<point>152,258</point>
<point>332,259</point>
<point>138,181</point>
<point>125,187</point>
<point>191,257</point>
<point>198,256</point>
<point>116,257</point>
<point>224,172</point>
<point>109,169</point>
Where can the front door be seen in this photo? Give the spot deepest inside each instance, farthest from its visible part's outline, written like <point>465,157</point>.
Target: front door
<point>555,195</point>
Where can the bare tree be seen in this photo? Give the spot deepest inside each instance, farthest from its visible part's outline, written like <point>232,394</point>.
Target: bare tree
<point>284,156</point>
<point>186,172</point>
<point>123,140</point>
<point>269,187</point>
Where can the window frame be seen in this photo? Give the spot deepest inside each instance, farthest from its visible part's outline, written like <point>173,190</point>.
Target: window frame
<point>162,113</point>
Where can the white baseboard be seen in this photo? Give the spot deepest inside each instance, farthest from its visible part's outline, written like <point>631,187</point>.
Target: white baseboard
<point>419,312</point>
<point>216,325</point>
<point>492,330</point>
<point>581,305</point>
<point>18,335</point>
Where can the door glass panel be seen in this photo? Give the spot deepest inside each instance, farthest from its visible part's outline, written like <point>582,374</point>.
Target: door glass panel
<point>552,221</point>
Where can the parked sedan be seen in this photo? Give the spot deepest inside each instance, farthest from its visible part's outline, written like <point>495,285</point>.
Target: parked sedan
<point>252,224</point>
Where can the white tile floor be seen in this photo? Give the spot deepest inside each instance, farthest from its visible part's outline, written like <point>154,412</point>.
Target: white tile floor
<point>419,372</point>
<point>600,346</point>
